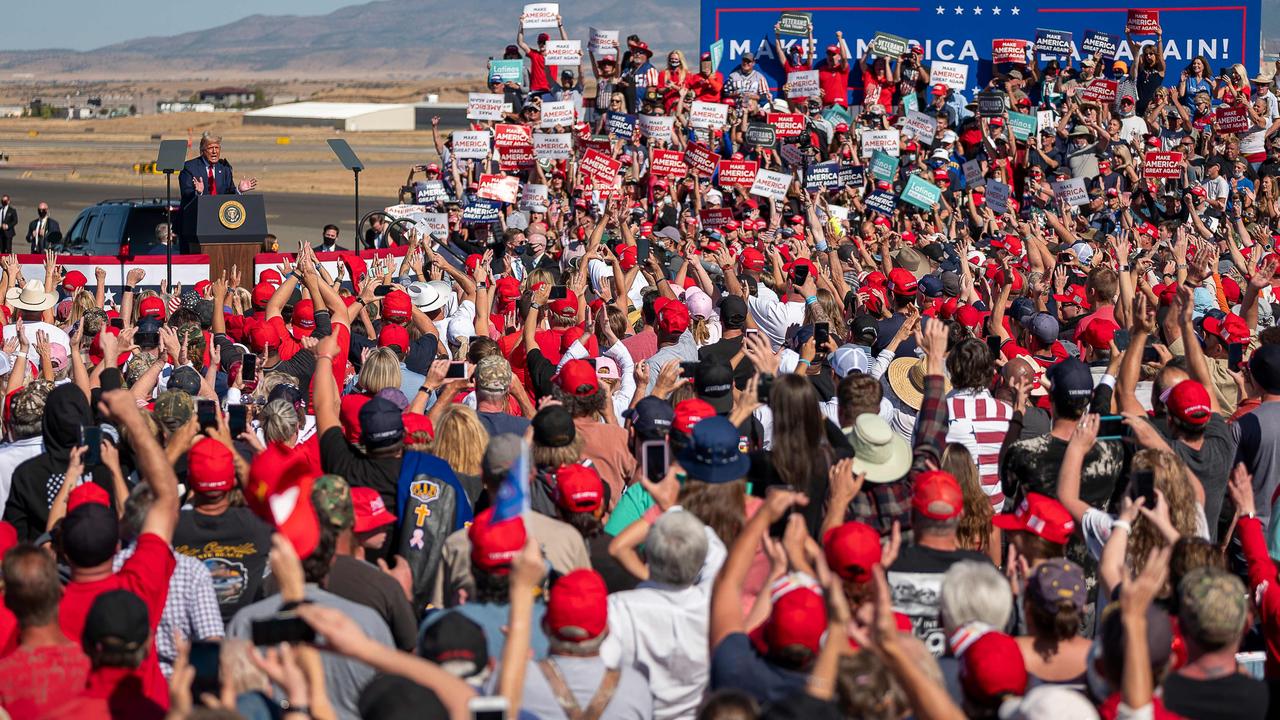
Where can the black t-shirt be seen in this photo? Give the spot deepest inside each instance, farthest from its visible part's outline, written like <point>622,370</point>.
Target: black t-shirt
<point>380,473</point>
<point>503,423</point>
<point>234,547</point>
<point>1233,697</point>
<point>1212,463</point>
<point>723,351</point>
<point>616,577</point>
<point>361,582</point>
<point>916,582</point>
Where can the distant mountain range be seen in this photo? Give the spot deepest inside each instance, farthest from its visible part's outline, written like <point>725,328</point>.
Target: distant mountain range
<point>385,39</point>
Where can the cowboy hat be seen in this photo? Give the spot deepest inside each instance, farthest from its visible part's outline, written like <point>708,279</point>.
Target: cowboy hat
<point>31,297</point>
<point>906,378</point>
<point>426,297</point>
<point>880,453</point>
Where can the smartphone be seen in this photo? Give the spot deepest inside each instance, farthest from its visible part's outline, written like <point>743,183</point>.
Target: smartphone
<point>237,419</point>
<point>655,458</point>
<point>821,333</point>
<point>91,441</point>
<point>688,370</point>
<point>764,387</point>
<point>993,344</point>
<point>1111,427</point>
<point>558,292</point>
<point>1122,340</point>
<point>207,414</point>
<point>1066,257</point>
<point>249,368</point>
<point>147,340</point>
<point>284,628</point>
<point>1149,355</point>
<point>1235,355</point>
<point>799,274</point>
<point>487,708</point>
<point>457,370</point>
<point>382,290</point>
<point>1143,486</point>
<point>206,660</point>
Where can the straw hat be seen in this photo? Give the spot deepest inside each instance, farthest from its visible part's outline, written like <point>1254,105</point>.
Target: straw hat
<point>906,377</point>
<point>31,297</point>
<point>879,452</point>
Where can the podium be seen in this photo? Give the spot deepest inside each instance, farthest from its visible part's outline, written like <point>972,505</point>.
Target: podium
<point>230,230</point>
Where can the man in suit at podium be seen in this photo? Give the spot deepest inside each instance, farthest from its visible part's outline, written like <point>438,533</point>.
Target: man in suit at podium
<point>208,174</point>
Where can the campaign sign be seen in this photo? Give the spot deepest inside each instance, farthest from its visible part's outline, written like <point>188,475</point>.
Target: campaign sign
<point>786,124</point>
<point>708,115</point>
<point>1102,44</point>
<point>1232,119</point>
<point>885,45</point>
<point>553,146</point>
<point>432,224</point>
<point>854,175</point>
<point>953,75</point>
<point>920,126</point>
<point>737,173</point>
<point>1022,125</point>
<point>761,135</point>
<point>1162,164</point>
<point>822,176</point>
<point>791,154</point>
<point>603,43</point>
<point>991,104</point>
<point>557,113</point>
<point>1071,191</point>
<point>802,84</point>
<point>471,144</point>
<point>534,196</point>
<point>1224,33</point>
<point>620,124</point>
<point>601,168</point>
<point>881,201</point>
<point>883,166</point>
<point>484,106</point>
<point>921,193</point>
<point>1053,42</point>
<point>503,188</point>
<point>715,218</point>
<point>541,15</point>
<point>481,212</point>
<point>998,197</point>
<point>667,163</point>
<point>1143,22</point>
<point>564,52</point>
<point>700,159</point>
<point>657,127</point>
<point>426,192</point>
<point>508,70</point>
<point>886,140</point>
<point>1004,50</point>
<point>973,176</point>
<point>798,24</point>
<point>770,184</point>
<point>1100,91</point>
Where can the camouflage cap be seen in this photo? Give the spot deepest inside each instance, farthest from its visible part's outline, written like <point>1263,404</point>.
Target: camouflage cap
<point>28,405</point>
<point>493,374</point>
<point>332,497</point>
<point>1213,607</point>
<point>173,409</point>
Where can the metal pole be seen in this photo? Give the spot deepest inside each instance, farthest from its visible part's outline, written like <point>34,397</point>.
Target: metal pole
<point>168,219</point>
<point>356,240</point>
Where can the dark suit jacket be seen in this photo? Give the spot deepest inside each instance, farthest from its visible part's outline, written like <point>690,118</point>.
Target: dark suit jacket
<point>51,229</point>
<point>197,168</point>
<point>9,216</point>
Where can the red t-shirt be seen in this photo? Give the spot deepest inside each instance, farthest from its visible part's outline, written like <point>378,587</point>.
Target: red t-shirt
<point>538,72</point>
<point>8,631</point>
<point>834,82</point>
<point>34,680</point>
<point>113,694</point>
<point>146,574</point>
<point>876,91</point>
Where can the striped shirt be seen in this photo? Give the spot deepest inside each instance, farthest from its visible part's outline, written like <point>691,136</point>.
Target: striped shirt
<point>979,422</point>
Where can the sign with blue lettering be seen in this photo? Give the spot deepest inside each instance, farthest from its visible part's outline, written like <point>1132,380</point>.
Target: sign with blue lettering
<point>962,32</point>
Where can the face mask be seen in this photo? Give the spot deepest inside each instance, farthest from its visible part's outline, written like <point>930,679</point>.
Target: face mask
<point>43,212</point>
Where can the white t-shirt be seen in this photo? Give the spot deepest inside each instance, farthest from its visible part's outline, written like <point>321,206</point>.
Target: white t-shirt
<point>56,334</point>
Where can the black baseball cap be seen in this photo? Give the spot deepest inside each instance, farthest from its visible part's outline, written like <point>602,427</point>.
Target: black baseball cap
<point>456,642</point>
<point>395,697</point>
<point>553,427</point>
<point>89,534</point>
<point>118,619</point>
<point>713,382</point>
<point>381,424</point>
<point>733,313</point>
<point>185,379</point>
<point>1070,380</point>
<point>651,418</point>
<point>1264,368</point>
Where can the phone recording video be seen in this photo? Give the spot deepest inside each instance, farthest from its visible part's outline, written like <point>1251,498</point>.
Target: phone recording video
<point>286,627</point>
<point>91,441</point>
<point>237,420</point>
<point>655,457</point>
<point>558,292</point>
<point>1112,427</point>
<point>457,370</point>
<point>207,414</point>
<point>821,334</point>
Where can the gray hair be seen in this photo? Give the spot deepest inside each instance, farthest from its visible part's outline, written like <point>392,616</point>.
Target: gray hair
<point>136,508</point>
<point>280,421</point>
<point>676,547</point>
<point>975,591</point>
<point>208,137</point>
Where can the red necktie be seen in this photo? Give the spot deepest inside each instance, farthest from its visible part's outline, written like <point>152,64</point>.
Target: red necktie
<point>213,187</point>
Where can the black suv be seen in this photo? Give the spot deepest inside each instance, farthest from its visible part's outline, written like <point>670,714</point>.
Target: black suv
<point>104,228</point>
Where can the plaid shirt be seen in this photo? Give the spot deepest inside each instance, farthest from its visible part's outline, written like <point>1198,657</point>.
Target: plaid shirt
<point>191,608</point>
<point>880,504</point>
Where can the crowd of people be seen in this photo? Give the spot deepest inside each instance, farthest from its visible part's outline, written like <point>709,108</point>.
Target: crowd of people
<point>654,444</point>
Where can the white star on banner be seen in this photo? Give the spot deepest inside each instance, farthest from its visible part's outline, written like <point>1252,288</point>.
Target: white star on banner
<point>1015,11</point>
<point>942,10</point>
<point>977,11</point>
<point>976,90</point>
<point>109,297</point>
<point>995,11</point>
<point>959,10</point>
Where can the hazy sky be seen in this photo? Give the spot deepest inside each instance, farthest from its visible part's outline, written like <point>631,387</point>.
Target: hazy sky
<point>88,24</point>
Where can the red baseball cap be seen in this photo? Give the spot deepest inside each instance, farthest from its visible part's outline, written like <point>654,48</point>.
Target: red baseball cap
<point>689,413</point>
<point>628,257</point>
<point>262,293</point>
<point>992,667</point>
<point>902,282</point>
<point>495,544</point>
<point>371,511</point>
<point>1098,334</point>
<point>799,618</point>
<point>417,424</point>
<point>201,287</point>
<point>87,494</point>
<point>969,316</point>
<point>262,335</point>
<point>751,259</point>
<point>577,378</point>
<point>673,316</point>
<point>152,307</point>
<point>578,608</point>
<point>271,277</point>
<point>73,281</point>
<point>852,549</point>
<point>1189,402</point>
<point>1041,516</point>
<point>937,495</point>
<point>579,488</point>
<point>1230,329</point>
<point>304,317</point>
<point>566,306</point>
<point>210,467</point>
<point>396,306</point>
<point>1009,243</point>
<point>395,335</point>
<point>349,414</point>
<point>279,491</point>
<point>939,89</point>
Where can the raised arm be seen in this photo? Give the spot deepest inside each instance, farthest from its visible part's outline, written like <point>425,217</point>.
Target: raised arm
<point>153,466</point>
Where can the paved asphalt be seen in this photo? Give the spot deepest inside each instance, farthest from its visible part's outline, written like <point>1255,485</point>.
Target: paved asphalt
<point>291,216</point>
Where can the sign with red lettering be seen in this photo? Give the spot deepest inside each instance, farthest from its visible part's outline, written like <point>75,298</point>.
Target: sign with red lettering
<point>1162,164</point>
<point>1143,22</point>
<point>1008,51</point>
<point>701,160</point>
<point>738,173</point>
<point>1100,91</point>
<point>667,163</point>
<point>515,145</point>
<point>1232,119</point>
<point>601,168</point>
<point>786,124</point>
<point>503,188</point>
<point>715,218</point>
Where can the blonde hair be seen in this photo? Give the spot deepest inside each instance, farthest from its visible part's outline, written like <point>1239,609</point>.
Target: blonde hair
<point>460,439</point>
<point>974,532</point>
<point>1170,478</point>
<point>698,328</point>
<point>280,422</point>
<point>381,370</point>
<point>81,303</point>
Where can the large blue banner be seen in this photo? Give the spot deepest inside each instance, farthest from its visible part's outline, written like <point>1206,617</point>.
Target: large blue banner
<point>963,32</point>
